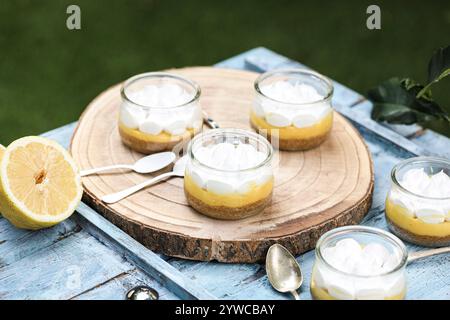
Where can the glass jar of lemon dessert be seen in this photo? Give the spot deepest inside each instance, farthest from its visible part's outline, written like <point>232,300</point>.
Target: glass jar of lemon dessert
<point>229,173</point>
<point>359,263</point>
<point>294,107</point>
<point>159,110</point>
<point>418,203</point>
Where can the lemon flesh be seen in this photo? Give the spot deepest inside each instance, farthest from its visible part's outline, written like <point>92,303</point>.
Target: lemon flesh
<point>39,183</point>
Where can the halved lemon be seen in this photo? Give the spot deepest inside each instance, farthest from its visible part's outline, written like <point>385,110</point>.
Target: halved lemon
<point>39,183</point>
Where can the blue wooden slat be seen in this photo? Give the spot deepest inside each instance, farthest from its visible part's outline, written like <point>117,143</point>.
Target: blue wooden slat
<point>378,130</point>
<point>16,244</point>
<point>222,280</point>
<point>62,270</point>
<point>116,288</point>
<point>365,109</point>
<point>143,258</point>
<point>429,279</point>
<point>434,142</point>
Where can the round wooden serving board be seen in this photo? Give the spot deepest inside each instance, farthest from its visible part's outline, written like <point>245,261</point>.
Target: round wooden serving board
<point>315,191</point>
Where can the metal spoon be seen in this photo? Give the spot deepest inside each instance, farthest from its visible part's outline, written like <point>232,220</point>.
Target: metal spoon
<point>177,171</point>
<point>283,270</point>
<point>151,163</point>
<point>210,121</point>
<point>413,256</point>
<point>142,293</point>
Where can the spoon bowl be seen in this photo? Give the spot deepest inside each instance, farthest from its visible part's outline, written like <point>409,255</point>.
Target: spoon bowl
<point>283,271</point>
<point>177,171</point>
<point>148,164</point>
<point>142,293</point>
<point>154,162</point>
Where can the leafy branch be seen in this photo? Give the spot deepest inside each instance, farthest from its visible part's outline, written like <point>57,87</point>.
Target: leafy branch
<point>405,101</point>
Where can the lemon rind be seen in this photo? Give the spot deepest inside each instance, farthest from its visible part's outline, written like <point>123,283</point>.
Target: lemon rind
<point>15,210</point>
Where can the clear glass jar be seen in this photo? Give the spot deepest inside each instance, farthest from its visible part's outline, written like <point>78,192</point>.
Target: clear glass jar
<point>414,217</point>
<point>224,191</point>
<point>330,283</point>
<point>159,111</point>
<point>296,123</point>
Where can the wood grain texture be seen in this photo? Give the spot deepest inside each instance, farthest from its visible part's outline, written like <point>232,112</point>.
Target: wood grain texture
<point>17,244</point>
<point>149,262</point>
<point>62,270</point>
<point>315,191</point>
<point>116,288</point>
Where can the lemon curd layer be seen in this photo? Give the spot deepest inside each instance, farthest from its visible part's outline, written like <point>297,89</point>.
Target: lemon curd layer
<point>401,217</point>
<point>232,200</point>
<point>320,128</point>
<point>162,137</point>
<point>322,294</point>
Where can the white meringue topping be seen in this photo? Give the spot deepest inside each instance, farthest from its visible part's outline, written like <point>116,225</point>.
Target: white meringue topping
<point>370,260</point>
<point>230,157</point>
<point>285,91</point>
<point>432,211</point>
<point>164,95</point>
<point>164,118</point>
<point>297,104</point>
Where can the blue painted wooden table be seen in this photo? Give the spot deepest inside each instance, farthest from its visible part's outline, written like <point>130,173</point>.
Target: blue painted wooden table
<point>86,257</point>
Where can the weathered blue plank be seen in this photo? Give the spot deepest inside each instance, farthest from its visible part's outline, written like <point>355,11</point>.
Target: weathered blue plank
<point>62,270</point>
<point>433,141</point>
<point>429,279</point>
<point>117,287</point>
<point>378,131</point>
<point>143,258</point>
<point>365,109</point>
<point>223,280</point>
<point>16,244</point>
<point>261,288</point>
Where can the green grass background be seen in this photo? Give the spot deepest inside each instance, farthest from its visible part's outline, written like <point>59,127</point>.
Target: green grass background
<point>48,74</point>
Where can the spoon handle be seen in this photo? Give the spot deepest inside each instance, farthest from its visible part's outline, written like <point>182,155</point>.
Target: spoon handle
<point>210,121</point>
<point>295,294</point>
<point>88,172</point>
<point>427,253</point>
<point>115,197</point>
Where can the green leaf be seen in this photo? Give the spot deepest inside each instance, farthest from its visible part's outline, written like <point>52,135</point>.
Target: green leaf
<point>416,87</point>
<point>391,91</point>
<point>424,103</point>
<point>395,101</point>
<point>398,114</point>
<point>438,68</point>
<point>439,65</point>
<point>406,101</point>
